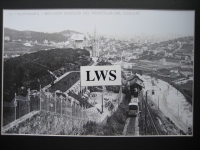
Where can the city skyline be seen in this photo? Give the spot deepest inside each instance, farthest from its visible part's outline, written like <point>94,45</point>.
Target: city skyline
<point>107,21</point>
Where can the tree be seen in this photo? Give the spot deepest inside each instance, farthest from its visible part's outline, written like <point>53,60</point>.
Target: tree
<point>111,106</point>
<point>27,67</point>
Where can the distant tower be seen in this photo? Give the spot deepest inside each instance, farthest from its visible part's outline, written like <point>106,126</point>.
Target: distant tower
<point>95,45</point>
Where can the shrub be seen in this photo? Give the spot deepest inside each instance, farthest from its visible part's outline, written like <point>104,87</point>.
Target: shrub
<point>115,123</point>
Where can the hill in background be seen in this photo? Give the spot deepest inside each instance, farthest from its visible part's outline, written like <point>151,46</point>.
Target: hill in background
<point>39,36</point>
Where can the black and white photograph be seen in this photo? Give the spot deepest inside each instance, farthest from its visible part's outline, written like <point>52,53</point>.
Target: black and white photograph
<point>98,72</point>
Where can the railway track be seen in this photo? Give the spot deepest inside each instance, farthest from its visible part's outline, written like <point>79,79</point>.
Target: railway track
<point>130,126</point>
<point>152,125</point>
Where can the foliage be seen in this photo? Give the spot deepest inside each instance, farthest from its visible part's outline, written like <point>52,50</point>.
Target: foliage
<point>185,89</point>
<point>30,70</point>
<point>31,35</point>
<point>103,63</point>
<point>114,89</point>
<point>115,123</point>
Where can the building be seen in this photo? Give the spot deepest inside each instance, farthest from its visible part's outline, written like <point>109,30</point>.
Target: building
<point>5,56</point>
<point>135,84</point>
<point>45,41</point>
<point>95,45</point>
<point>162,61</point>
<point>169,53</point>
<point>182,56</point>
<point>15,55</point>
<point>35,42</point>
<point>77,40</point>
<point>174,73</point>
<point>7,38</point>
<point>27,44</point>
<point>66,43</point>
<point>87,40</point>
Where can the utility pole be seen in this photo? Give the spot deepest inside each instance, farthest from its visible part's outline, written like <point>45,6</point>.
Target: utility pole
<point>29,101</point>
<point>146,115</point>
<point>158,102</point>
<point>15,103</point>
<point>178,110</point>
<point>40,97</point>
<point>142,113</point>
<point>61,107</point>
<point>55,102</point>
<point>80,90</point>
<point>102,102</point>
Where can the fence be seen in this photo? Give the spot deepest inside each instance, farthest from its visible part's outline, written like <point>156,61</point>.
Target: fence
<point>56,103</point>
<point>47,101</point>
<point>62,105</point>
<point>18,107</point>
<point>119,100</point>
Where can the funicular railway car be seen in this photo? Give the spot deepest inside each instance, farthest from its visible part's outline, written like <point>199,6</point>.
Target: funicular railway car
<point>133,107</point>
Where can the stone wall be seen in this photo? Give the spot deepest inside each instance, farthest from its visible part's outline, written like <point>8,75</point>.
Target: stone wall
<point>47,123</point>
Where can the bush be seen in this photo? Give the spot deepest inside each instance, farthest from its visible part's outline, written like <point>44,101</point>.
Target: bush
<point>33,68</point>
<point>115,123</point>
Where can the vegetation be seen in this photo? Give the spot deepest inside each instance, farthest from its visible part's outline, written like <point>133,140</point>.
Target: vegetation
<point>115,123</point>
<point>30,70</point>
<point>114,89</point>
<point>186,89</point>
<point>64,84</point>
<point>95,88</point>
<point>103,63</point>
<point>11,48</point>
<point>187,48</point>
<point>31,35</point>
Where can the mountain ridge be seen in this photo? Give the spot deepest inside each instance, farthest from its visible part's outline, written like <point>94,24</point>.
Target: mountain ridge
<point>39,36</point>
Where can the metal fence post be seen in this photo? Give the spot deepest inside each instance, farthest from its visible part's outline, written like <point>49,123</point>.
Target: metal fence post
<point>19,109</point>
<point>55,102</point>
<point>15,103</point>
<point>66,105</point>
<point>40,98</point>
<point>146,115</point>
<point>61,107</point>
<point>82,112</point>
<point>29,101</point>
<point>48,99</point>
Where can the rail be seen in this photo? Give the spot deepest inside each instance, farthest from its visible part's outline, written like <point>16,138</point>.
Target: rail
<point>152,120</point>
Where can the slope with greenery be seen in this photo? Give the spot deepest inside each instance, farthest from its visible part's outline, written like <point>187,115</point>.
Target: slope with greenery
<point>32,67</point>
<point>115,123</point>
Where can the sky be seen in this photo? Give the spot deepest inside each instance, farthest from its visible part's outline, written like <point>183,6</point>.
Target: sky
<point>107,21</point>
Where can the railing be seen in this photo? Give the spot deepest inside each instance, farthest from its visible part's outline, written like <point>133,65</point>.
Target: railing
<point>43,101</point>
<point>51,102</point>
<point>62,105</point>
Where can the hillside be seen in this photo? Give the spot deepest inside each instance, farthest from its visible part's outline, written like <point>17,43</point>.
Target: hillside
<point>187,48</point>
<point>32,36</point>
<point>32,68</point>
